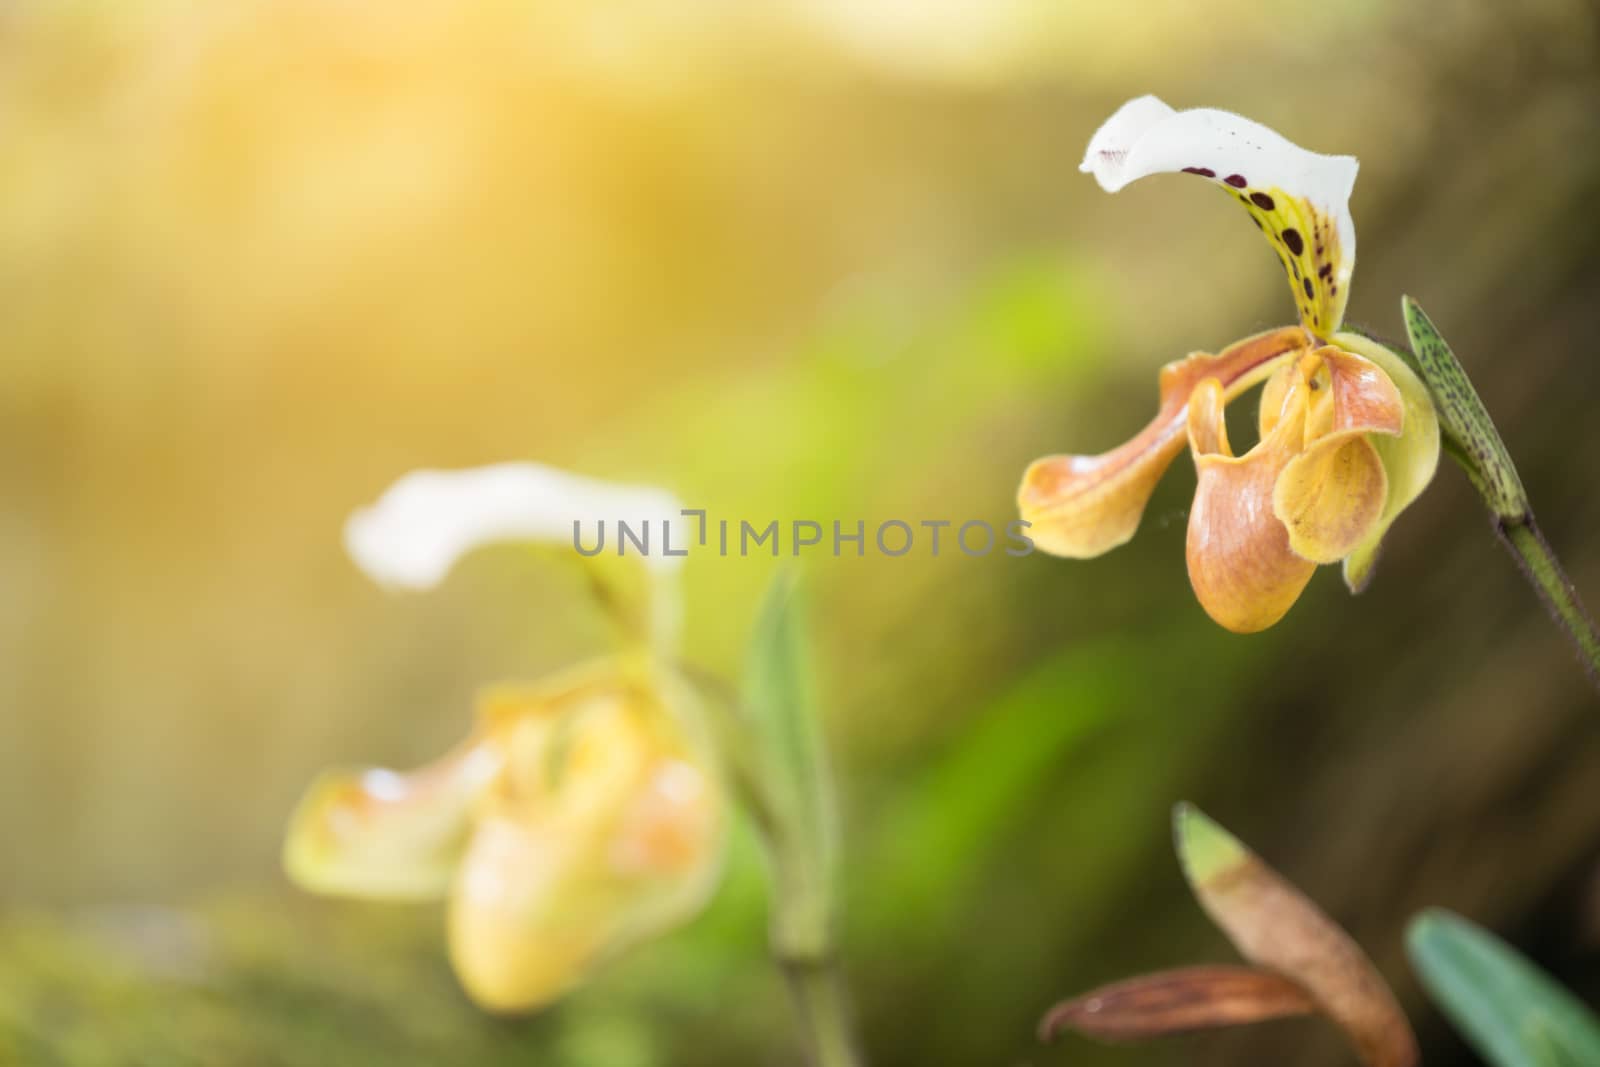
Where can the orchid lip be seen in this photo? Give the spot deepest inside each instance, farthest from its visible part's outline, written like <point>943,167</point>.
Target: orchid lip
<point>1084,506</point>
<point>581,816</point>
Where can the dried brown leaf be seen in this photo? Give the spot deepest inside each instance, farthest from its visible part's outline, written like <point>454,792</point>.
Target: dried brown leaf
<point>1177,1002</point>
<point>1275,926</point>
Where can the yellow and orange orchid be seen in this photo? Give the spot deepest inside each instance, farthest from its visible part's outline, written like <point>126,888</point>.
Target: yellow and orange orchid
<point>1349,436</point>
<point>582,815</point>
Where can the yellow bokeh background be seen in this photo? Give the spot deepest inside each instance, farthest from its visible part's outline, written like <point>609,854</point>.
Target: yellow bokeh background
<point>812,259</point>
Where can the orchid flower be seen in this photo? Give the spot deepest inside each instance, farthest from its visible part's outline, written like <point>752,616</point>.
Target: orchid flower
<point>1349,436</point>
<point>582,814</point>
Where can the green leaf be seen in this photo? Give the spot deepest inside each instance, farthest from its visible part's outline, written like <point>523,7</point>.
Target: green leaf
<point>1549,1047</point>
<point>1466,421</point>
<point>1513,1013</point>
<point>787,774</point>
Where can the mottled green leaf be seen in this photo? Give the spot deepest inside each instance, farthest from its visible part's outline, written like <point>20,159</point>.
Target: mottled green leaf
<point>1466,421</point>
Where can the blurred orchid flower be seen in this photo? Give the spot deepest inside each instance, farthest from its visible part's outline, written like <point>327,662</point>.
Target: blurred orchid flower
<point>581,816</point>
<point>1349,436</point>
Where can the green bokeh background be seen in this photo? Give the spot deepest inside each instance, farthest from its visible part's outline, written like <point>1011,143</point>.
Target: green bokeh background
<point>815,259</point>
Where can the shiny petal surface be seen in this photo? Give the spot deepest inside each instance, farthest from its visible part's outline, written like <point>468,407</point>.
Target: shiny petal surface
<point>1365,398</point>
<point>1084,506</point>
<point>1299,199</point>
<point>1331,496</point>
<point>380,833</point>
<point>1273,395</point>
<point>1409,460</point>
<point>1240,564</point>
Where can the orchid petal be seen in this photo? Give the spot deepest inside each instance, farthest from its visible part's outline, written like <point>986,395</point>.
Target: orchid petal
<point>1364,398</point>
<point>1273,395</point>
<point>428,519</point>
<point>1084,506</point>
<point>1242,569</point>
<point>507,947</point>
<point>1409,460</point>
<point>505,705</point>
<point>1331,496</point>
<point>605,831</point>
<point>1300,199</point>
<point>379,833</point>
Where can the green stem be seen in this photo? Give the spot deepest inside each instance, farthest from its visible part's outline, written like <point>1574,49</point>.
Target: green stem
<point>787,795</point>
<point>817,989</point>
<point>1469,436</point>
<point>1543,571</point>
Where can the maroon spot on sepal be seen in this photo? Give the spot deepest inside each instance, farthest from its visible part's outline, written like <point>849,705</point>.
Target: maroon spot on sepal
<point>1291,237</point>
<point>1263,201</point>
<point>1204,172</point>
<point>1236,180</point>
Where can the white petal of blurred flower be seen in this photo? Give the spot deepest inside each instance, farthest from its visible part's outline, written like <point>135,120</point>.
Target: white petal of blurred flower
<point>429,519</point>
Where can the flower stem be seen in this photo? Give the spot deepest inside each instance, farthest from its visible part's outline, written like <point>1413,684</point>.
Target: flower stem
<point>801,936</point>
<point>817,990</point>
<point>1471,439</point>
<point>1543,571</point>
<point>770,736</point>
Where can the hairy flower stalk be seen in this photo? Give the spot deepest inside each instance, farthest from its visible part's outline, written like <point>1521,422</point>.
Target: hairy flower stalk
<point>1474,442</point>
